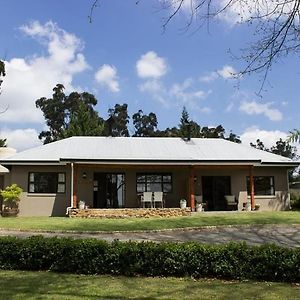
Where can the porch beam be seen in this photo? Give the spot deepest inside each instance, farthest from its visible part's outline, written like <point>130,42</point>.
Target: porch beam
<point>75,186</point>
<point>252,200</point>
<point>192,188</point>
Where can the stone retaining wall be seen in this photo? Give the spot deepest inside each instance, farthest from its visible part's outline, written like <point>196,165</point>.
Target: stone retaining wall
<point>119,213</point>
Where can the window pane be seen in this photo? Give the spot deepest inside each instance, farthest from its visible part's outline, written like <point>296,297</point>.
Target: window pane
<point>43,182</point>
<point>61,188</point>
<point>167,178</point>
<point>61,177</point>
<point>153,178</point>
<point>167,187</point>
<point>153,182</point>
<point>263,185</point>
<point>31,188</point>
<point>140,187</point>
<point>31,177</point>
<point>154,187</point>
<point>140,178</point>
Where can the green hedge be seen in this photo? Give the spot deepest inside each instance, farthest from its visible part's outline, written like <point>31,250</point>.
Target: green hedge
<point>234,261</point>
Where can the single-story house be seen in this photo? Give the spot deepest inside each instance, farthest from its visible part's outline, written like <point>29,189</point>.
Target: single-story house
<point>113,172</point>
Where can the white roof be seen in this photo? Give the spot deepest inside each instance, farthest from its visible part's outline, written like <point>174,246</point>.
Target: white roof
<point>146,150</point>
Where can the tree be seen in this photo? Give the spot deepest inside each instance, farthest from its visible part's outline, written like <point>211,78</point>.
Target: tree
<point>145,125</point>
<point>84,122</point>
<point>294,136</point>
<point>3,143</point>
<point>283,148</point>
<point>61,109</point>
<point>233,138</point>
<point>188,127</point>
<point>259,145</point>
<point>276,26</point>
<point>121,120</point>
<point>2,71</point>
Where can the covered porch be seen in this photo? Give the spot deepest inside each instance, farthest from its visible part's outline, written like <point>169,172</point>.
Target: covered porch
<point>115,186</point>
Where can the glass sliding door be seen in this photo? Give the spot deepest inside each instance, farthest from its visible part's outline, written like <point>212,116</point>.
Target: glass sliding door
<point>109,190</point>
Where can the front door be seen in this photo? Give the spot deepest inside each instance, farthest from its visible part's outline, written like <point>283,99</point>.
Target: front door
<point>109,190</point>
<point>214,190</point>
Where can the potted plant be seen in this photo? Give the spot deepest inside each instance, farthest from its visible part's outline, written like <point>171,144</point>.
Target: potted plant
<point>182,203</point>
<point>11,197</point>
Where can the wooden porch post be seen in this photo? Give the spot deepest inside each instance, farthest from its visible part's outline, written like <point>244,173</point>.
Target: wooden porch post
<point>192,189</point>
<point>75,187</point>
<point>252,200</point>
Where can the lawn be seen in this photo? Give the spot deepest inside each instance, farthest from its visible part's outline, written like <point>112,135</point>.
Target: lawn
<point>197,220</point>
<point>47,285</point>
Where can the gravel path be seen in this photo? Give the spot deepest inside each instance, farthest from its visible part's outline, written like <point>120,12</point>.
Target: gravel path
<point>285,235</point>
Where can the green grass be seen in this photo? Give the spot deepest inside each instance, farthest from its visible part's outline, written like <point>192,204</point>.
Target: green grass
<point>47,285</point>
<point>197,220</point>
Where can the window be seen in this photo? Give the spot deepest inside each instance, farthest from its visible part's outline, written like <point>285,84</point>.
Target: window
<point>263,185</point>
<point>154,182</point>
<point>47,182</point>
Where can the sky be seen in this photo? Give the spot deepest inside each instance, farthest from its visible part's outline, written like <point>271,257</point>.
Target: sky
<point>125,56</point>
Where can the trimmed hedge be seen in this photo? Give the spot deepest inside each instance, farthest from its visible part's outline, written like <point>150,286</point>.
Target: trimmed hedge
<point>89,256</point>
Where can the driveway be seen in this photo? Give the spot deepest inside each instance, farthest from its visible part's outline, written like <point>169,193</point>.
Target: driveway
<point>284,235</point>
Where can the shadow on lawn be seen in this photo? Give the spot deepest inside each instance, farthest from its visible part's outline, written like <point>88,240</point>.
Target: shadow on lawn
<point>46,285</point>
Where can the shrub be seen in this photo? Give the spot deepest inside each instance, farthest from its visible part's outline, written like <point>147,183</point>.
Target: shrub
<point>295,201</point>
<point>88,256</point>
<point>11,195</point>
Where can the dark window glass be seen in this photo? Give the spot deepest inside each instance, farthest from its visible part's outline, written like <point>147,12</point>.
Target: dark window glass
<point>263,185</point>
<point>46,182</point>
<point>154,183</point>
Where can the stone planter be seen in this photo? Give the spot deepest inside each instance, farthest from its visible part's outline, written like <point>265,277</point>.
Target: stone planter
<point>10,212</point>
<point>199,207</point>
<point>183,204</point>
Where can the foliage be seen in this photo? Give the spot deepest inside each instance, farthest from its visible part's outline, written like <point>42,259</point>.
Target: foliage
<point>61,110</point>
<point>121,119</point>
<point>84,122</point>
<point>145,125</point>
<point>88,256</point>
<point>295,201</point>
<point>259,145</point>
<point>294,136</point>
<point>2,71</point>
<point>275,26</point>
<point>3,143</point>
<point>282,148</point>
<point>11,195</point>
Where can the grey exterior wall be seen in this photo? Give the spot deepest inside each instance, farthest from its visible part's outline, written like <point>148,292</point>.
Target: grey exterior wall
<point>56,204</point>
<point>32,204</point>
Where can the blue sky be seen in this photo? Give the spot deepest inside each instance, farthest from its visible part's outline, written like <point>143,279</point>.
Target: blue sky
<point>124,56</point>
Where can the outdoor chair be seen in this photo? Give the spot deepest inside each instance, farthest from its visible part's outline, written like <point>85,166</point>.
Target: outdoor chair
<point>231,202</point>
<point>146,197</point>
<point>158,198</point>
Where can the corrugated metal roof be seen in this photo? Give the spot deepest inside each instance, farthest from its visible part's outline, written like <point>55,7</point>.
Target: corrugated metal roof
<point>145,149</point>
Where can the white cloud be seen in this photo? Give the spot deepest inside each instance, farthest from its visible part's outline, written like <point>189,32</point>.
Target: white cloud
<point>29,79</point>
<point>150,65</point>
<point>186,94</point>
<point>255,108</point>
<point>21,139</point>
<point>157,90</point>
<point>227,72</point>
<point>107,76</point>
<point>178,94</point>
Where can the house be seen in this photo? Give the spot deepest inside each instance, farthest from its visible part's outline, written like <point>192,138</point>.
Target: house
<point>112,172</point>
